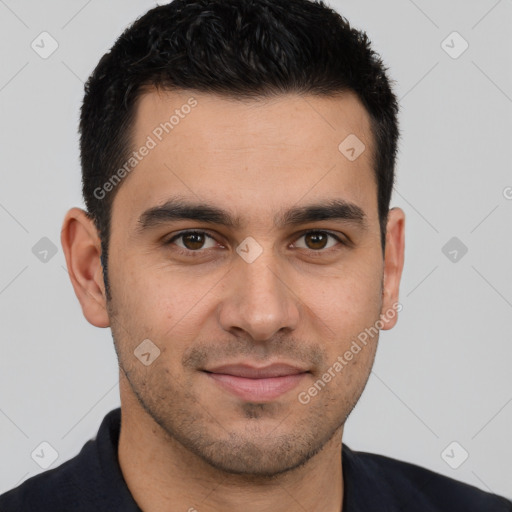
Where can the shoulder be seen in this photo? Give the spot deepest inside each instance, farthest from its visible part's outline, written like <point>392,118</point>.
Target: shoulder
<point>91,480</point>
<point>55,489</point>
<point>416,488</point>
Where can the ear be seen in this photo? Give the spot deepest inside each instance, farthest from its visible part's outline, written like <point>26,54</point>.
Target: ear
<point>393,265</point>
<point>82,248</point>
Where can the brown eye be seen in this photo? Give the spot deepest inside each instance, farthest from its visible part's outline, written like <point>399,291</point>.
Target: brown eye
<point>193,241</point>
<point>318,240</point>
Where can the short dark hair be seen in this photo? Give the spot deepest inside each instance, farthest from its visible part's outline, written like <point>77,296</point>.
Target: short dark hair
<point>240,49</point>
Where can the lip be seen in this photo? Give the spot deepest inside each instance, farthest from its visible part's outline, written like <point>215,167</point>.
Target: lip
<point>257,384</point>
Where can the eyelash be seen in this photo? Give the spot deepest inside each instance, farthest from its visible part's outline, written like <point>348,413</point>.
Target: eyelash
<point>200,252</point>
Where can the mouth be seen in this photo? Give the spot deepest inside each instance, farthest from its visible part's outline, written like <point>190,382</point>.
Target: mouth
<point>257,384</point>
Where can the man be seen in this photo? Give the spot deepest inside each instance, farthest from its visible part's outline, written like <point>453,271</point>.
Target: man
<point>238,163</point>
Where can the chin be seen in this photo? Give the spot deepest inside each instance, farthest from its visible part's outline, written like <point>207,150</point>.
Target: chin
<point>255,460</point>
<point>255,451</point>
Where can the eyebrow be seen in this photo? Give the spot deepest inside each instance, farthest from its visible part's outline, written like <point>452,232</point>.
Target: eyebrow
<point>178,208</point>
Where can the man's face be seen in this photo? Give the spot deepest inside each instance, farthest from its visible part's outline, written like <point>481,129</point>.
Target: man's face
<point>285,297</point>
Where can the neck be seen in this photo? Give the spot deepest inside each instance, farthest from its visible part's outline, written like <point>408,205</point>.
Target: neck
<point>161,474</point>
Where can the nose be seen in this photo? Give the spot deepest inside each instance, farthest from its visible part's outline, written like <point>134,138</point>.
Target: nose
<point>258,300</point>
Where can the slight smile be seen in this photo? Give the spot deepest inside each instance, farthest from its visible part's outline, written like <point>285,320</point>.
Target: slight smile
<point>254,384</point>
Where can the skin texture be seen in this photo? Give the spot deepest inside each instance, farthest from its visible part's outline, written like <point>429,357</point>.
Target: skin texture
<point>186,442</point>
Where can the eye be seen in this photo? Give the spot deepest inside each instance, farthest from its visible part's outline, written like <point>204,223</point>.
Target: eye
<point>192,241</point>
<point>317,240</point>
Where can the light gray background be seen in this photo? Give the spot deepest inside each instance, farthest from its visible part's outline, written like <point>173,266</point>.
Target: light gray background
<point>441,375</point>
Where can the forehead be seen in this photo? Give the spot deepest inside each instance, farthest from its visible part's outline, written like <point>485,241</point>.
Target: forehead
<point>258,154</point>
<point>220,122</point>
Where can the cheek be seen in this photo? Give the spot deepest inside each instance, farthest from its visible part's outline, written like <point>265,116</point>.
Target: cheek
<point>350,301</point>
<point>163,305</point>
<point>153,292</point>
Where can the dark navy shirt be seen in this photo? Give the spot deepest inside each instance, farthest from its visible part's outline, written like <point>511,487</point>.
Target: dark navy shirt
<point>92,482</point>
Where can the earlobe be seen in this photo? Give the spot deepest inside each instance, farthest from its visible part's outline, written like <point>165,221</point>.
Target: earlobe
<point>82,248</point>
<point>393,266</point>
